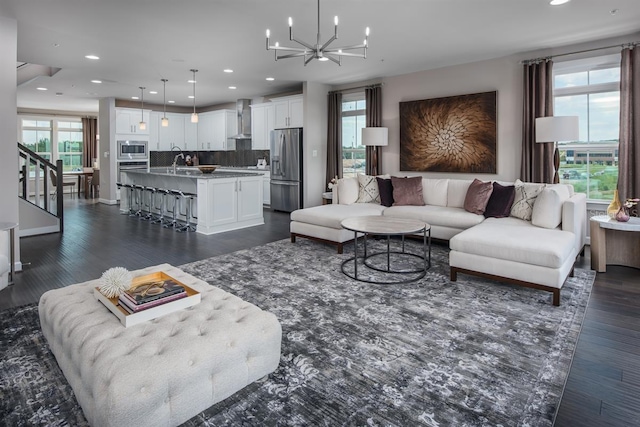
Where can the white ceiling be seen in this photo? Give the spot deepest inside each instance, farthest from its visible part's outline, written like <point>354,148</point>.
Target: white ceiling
<point>141,41</point>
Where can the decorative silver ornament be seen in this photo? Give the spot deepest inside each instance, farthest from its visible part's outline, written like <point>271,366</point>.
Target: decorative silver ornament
<point>115,281</point>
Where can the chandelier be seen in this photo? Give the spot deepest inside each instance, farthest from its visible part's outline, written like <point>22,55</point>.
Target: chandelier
<point>321,52</point>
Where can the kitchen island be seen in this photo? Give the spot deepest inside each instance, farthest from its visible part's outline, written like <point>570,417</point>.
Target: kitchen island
<point>226,200</point>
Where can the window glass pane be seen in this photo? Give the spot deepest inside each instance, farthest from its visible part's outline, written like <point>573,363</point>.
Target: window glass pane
<point>349,106</point>
<point>361,105</point>
<point>353,152</point>
<point>37,140</point>
<point>575,105</point>
<point>604,117</point>
<point>69,125</point>
<point>71,161</point>
<point>69,142</point>
<point>29,123</point>
<point>604,76</point>
<point>571,80</point>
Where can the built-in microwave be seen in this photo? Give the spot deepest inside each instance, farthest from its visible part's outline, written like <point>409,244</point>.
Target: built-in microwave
<point>133,150</point>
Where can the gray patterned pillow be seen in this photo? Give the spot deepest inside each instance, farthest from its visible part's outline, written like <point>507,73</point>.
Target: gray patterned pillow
<point>368,192</point>
<point>525,198</point>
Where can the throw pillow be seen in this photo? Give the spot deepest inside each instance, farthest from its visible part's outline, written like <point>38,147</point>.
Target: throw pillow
<point>407,191</point>
<point>386,191</point>
<point>478,196</point>
<point>525,197</point>
<point>368,192</point>
<point>499,205</point>
<point>547,210</point>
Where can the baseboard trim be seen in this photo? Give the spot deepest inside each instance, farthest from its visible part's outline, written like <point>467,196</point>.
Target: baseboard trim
<point>107,201</point>
<point>39,230</point>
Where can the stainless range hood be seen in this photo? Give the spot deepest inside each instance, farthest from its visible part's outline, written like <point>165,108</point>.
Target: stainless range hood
<point>244,119</point>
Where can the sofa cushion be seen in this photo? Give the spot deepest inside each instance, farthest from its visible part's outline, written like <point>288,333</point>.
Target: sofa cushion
<point>457,192</point>
<point>434,191</point>
<point>499,205</point>
<point>368,189</point>
<point>348,189</point>
<point>386,191</point>
<point>547,211</point>
<point>516,240</point>
<point>525,198</point>
<point>478,196</point>
<point>332,215</point>
<point>407,191</point>
<point>442,216</point>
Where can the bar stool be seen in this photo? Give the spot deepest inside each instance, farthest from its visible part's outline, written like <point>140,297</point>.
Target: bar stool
<point>175,194</point>
<point>163,194</point>
<point>138,193</point>
<point>147,208</point>
<point>129,189</point>
<point>188,198</point>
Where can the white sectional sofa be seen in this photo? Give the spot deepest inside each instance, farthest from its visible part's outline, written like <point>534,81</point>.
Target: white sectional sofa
<point>5,266</point>
<point>506,249</point>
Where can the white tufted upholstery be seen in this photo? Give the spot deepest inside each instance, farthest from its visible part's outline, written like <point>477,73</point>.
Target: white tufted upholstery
<point>161,372</point>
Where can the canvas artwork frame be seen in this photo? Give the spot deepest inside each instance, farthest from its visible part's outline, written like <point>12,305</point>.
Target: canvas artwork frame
<point>451,134</point>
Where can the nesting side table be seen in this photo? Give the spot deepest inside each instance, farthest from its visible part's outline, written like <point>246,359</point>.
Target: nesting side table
<point>11,228</point>
<point>614,243</point>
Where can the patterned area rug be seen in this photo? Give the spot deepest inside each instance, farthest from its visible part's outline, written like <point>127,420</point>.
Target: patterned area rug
<point>433,352</point>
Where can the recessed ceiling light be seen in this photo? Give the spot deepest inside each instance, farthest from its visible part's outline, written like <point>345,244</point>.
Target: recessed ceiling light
<point>92,57</point>
<point>191,96</point>
<point>270,79</point>
<point>56,45</point>
<point>59,94</point>
<point>232,87</point>
<point>228,70</point>
<point>42,88</point>
<point>171,102</point>
<point>558,2</point>
<point>191,81</point>
<point>613,11</point>
<point>96,81</point>
<point>153,92</point>
<point>134,97</point>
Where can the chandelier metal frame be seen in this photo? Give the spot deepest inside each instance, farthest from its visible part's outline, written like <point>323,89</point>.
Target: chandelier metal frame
<point>319,51</point>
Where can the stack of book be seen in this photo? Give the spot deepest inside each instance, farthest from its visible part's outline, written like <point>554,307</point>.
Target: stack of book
<point>151,294</point>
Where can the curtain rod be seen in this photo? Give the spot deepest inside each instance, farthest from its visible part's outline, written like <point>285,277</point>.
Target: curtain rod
<point>546,58</point>
<point>357,87</point>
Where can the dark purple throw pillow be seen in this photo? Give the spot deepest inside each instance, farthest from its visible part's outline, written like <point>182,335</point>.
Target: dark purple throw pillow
<point>500,202</point>
<point>386,191</point>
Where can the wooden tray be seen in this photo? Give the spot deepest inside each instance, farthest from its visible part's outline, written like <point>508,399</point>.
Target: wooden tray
<point>130,319</point>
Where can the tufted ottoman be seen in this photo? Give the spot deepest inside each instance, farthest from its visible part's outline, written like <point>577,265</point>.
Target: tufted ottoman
<point>161,372</point>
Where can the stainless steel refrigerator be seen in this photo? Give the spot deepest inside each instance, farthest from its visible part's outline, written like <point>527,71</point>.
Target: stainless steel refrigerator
<point>286,169</point>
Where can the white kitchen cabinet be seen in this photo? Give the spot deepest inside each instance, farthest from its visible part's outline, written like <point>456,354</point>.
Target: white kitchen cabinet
<point>215,129</point>
<point>190,134</point>
<point>223,205</point>
<point>266,189</point>
<point>128,121</point>
<point>289,112</point>
<point>262,123</point>
<point>249,196</point>
<point>172,135</point>
<point>154,123</point>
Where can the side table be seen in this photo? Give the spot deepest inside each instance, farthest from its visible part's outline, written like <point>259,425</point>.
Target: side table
<point>11,227</point>
<point>614,243</point>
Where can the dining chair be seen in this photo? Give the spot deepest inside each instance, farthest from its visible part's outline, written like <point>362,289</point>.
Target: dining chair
<point>54,182</point>
<point>94,183</point>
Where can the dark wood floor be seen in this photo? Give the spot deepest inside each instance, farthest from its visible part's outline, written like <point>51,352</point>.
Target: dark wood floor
<point>603,388</point>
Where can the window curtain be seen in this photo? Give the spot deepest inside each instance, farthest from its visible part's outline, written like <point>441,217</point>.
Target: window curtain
<point>89,141</point>
<point>334,137</point>
<point>537,159</point>
<point>373,97</point>
<point>629,152</point>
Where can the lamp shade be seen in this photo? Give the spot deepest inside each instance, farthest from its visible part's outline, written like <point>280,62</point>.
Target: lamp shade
<point>557,128</point>
<point>375,136</point>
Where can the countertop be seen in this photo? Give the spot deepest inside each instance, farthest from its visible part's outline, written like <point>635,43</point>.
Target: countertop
<point>188,172</point>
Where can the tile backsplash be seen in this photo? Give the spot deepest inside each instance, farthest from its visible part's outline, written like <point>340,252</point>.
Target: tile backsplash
<point>238,157</point>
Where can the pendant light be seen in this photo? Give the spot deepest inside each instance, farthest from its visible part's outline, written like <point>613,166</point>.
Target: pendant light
<point>142,125</point>
<point>194,116</point>
<point>165,120</point>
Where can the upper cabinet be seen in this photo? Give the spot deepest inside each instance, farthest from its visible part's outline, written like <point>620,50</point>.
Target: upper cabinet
<point>128,121</point>
<point>289,112</point>
<point>215,129</point>
<point>190,133</point>
<point>262,123</point>
<point>172,135</point>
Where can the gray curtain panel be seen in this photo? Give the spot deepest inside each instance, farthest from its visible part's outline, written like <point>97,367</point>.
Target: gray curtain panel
<point>628,173</point>
<point>89,141</point>
<point>334,137</point>
<point>373,97</point>
<point>537,159</point>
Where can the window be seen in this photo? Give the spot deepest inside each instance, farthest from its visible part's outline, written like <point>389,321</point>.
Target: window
<point>353,120</point>
<point>54,139</point>
<point>590,89</point>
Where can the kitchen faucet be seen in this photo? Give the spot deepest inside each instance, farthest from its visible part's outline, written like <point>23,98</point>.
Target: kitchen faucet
<point>175,159</point>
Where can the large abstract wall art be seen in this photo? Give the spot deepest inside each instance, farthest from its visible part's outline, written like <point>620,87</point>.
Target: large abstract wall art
<point>452,134</point>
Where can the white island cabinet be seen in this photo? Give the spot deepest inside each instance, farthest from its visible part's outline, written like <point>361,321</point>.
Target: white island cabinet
<point>225,200</point>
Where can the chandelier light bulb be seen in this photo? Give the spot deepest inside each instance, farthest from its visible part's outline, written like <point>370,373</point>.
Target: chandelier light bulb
<point>335,20</point>
<point>194,118</point>
<point>290,22</point>
<point>165,120</point>
<point>323,59</point>
<point>268,33</point>
<point>366,32</point>
<point>142,125</point>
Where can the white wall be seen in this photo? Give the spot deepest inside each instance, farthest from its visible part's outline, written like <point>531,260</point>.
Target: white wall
<point>106,150</point>
<point>503,75</point>
<point>314,137</point>
<point>8,125</point>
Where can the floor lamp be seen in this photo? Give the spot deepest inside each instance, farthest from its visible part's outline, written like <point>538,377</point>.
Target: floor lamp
<point>375,137</point>
<point>554,129</point>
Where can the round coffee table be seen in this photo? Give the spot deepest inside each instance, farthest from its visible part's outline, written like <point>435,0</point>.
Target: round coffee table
<point>388,227</point>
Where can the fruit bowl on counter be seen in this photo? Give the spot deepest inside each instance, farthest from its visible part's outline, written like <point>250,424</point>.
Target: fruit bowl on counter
<point>207,168</point>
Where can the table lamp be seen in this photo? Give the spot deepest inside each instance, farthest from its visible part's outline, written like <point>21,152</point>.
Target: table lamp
<point>554,129</point>
<point>375,137</point>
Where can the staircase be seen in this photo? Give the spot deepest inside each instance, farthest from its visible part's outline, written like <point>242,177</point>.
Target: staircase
<point>40,200</point>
